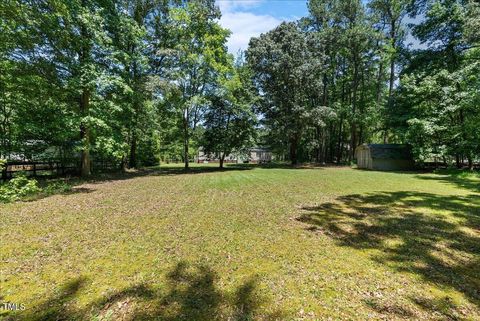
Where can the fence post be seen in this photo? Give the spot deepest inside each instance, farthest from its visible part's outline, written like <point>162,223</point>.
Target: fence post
<point>4,172</point>
<point>34,169</point>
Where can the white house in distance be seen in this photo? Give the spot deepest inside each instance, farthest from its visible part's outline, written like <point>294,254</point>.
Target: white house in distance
<point>256,155</point>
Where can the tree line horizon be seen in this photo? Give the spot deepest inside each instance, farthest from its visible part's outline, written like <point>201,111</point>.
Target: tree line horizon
<point>143,81</point>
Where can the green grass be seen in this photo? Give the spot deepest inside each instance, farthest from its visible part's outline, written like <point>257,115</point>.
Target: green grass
<point>247,243</point>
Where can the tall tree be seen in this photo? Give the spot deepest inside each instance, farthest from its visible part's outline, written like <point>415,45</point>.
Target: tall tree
<point>229,121</point>
<point>287,73</point>
<point>391,14</point>
<point>70,38</point>
<point>197,56</point>
<point>353,77</point>
<point>441,81</point>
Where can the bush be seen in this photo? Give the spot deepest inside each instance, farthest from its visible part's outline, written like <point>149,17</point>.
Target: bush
<point>57,187</point>
<point>18,188</point>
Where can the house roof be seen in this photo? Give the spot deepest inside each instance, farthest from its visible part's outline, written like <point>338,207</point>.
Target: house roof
<point>389,151</point>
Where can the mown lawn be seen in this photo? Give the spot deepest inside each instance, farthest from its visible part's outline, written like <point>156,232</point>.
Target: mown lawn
<point>247,243</point>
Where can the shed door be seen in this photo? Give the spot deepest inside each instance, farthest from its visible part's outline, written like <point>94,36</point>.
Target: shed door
<point>364,160</point>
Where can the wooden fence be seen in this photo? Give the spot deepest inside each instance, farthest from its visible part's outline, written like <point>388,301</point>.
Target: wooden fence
<point>51,168</point>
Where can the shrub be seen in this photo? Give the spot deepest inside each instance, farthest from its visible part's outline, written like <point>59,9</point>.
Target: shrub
<point>57,187</point>
<point>18,188</point>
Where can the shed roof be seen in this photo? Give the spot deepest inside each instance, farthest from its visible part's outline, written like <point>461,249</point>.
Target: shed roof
<point>389,151</point>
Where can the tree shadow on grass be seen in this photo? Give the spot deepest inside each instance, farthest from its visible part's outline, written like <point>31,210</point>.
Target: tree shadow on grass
<point>164,170</point>
<point>389,308</point>
<point>73,185</point>
<point>456,178</point>
<point>173,170</point>
<point>434,236</point>
<point>56,307</point>
<point>282,165</point>
<point>191,293</point>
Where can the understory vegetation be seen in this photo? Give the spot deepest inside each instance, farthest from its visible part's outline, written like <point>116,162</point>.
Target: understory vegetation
<point>23,188</point>
<point>138,82</point>
<point>18,188</point>
<point>247,243</point>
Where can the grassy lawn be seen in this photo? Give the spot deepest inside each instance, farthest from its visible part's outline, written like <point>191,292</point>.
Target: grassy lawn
<point>247,243</point>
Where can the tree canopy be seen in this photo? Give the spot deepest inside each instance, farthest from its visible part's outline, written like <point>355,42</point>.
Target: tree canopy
<point>141,81</point>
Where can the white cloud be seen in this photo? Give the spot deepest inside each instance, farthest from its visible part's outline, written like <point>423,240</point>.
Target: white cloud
<point>231,5</point>
<point>243,24</point>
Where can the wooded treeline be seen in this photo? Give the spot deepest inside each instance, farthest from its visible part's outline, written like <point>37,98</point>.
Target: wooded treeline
<point>139,81</point>
<point>124,80</point>
<point>345,76</point>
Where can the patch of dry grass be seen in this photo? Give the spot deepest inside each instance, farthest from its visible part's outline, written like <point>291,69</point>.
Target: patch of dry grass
<point>247,243</point>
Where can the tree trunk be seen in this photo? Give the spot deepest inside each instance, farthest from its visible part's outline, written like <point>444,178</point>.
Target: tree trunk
<point>353,128</point>
<point>353,141</point>
<point>293,150</point>
<point>379,83</point>
<point>85,135</point>
<point>133,151</point>
<point>340,138</point>
<point>123,163</point>
<point>391,82</point>
<point>324,146</point>
<point>470,162</point>
<point>331,146</point>
<point>392,61</point>
<point>185,144</point>
<point>84,55</point>
<point>222,159</point>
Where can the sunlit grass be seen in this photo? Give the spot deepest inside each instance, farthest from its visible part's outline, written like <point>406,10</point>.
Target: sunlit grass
<point>247,243</point>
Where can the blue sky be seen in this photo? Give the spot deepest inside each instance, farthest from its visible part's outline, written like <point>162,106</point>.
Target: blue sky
<point>250,18</point>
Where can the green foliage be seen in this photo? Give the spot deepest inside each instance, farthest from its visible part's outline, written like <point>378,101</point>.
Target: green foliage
<point>230,121</point>
<point>438,99</point>
<point>135,82</point>
<point>57,187</point>
<point>287,69</point>
<point>21,187</point>
<point>18,188</point>
<point>196,58</point>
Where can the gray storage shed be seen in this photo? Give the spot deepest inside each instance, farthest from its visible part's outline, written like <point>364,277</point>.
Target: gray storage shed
<point>386,157</point>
